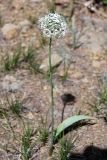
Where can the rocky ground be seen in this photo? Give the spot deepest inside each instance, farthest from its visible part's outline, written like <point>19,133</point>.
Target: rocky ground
<point>87,74</point>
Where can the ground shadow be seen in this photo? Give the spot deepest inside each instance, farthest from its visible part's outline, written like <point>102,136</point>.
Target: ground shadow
<point>90,153</point>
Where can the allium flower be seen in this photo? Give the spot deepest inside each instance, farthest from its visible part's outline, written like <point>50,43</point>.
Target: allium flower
<point>53,25</point>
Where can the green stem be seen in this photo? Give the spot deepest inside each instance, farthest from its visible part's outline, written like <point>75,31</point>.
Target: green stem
<point>53,7</point>
<point>74,32</point>
<point>71,9</point>
<point>52,96</point>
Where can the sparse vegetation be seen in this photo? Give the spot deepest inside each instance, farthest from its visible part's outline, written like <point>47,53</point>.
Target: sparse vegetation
<point>16,107</point>
<point>26,142</point>
<point>103,95</point>
<point>66,66</point>
<point>2,112</point>
<point>11,62</point>
<point>30,57</point>
<point>100,102</point>
<point>43,134</point>
<point>95,107</point>
<point>65,147</point>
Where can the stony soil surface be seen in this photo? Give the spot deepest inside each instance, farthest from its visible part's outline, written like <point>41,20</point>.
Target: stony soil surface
<point>86,75</point>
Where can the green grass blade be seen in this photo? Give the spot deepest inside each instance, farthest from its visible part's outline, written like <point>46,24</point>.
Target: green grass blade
<point>68,122</point>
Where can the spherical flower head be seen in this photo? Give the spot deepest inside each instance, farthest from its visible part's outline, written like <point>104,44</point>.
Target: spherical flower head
<point>53,25</point>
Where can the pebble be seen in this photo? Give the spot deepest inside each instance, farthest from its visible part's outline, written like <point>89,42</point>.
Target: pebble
<point>11,84</point>
<point>25,25</point>
<point>10,31</point>
<point>30,115</point>
<point>96,64</point>
<point>56,60</point>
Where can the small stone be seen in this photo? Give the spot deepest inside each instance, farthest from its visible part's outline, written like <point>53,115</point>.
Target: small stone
<point>87,4</point>
<point>56,60</point>
<point>61,73</point>
<point>25,25</point>
<point>10,31</point>
<point>30,115</point>
<point>78,75</point>
<point>95,47</point>
<point>11,84</point>
<point>30,106</point>
<point>96,64</point>
<point>97,56</point>
<point>85,80</point>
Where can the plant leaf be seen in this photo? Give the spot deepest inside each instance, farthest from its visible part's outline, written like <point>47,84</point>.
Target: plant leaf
<point>104,1</point>
<point>68,122</point>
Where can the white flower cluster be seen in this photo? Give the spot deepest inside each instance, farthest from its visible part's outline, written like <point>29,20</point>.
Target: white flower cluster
<point>53,25</point>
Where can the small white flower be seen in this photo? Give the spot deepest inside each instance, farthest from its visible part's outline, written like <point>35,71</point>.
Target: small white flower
<point>53,25</point>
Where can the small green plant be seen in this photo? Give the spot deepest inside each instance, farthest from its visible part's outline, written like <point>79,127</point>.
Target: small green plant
<point>2,112</point>
<point>103,95</point>
<point>1,20</point>
<point>100,101</point>
<point>104,2</point>
<point>16,107</point>
<point>26,143</point>
<point>30,57</point>
<point>12,62</point>
<point>4,115</point>
<point>66,66</point>
<point>43,134</point>
<point>95,107</point>
<point>65,148</point>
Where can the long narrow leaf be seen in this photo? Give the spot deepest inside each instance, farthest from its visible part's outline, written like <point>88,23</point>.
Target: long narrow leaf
<point>68,122</point>
<point>104,1</point>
